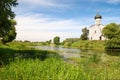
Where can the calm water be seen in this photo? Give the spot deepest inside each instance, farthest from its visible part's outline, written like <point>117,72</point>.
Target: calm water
<point>77,53</point>
<point>7,55</point>
<point>65,52</point>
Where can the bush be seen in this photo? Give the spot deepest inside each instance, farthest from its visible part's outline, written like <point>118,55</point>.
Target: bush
<point>113,44</point>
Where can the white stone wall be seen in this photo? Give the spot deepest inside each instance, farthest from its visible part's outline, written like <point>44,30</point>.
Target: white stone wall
<point>95,32</point>
<point>98,21</point>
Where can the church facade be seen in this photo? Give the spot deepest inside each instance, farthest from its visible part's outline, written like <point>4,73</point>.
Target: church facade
<point>95,31</point>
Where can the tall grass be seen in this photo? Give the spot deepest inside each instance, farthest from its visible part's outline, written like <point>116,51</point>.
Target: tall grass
<point>57,69</point>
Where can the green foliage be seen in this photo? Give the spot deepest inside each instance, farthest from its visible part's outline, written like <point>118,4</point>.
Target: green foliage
<point>86,44</point>
<point>112,32</point>
<point>113,43</point>
<point>6,11</point>
<point>95,58</point>
<point>118,33</point>
<point>49,41</point>
<point>7,29</point>
<point>56,40</point>
<point>68,42</point>
<point>9,35</point>
<point>84,35</point>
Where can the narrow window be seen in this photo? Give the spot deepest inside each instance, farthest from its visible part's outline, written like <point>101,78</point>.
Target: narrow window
<point>100,37</point>
<point>95,31</point>
<point>91,38</point>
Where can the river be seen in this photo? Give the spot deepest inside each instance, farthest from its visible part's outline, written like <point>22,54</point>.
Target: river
<point>65,52</point>
<point>77,53</point>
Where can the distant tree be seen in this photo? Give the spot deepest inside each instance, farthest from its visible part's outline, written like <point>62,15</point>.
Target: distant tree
<point>7,24</point>
<point>56,40</point>
<point>49,41</point>
<point>69,41</point>
<point>27,41</point>
<point>84,35</point>
<point>111,30</point>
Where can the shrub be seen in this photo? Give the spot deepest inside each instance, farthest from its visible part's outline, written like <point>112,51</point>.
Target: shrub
<point>113,44</point>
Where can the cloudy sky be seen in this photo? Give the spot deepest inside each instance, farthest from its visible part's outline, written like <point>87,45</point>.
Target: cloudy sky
<point>41,20</point>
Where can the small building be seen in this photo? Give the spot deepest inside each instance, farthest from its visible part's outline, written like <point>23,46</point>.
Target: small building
<point>95,31</point>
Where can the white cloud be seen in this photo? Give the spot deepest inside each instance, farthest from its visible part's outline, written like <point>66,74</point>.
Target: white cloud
<point>42,28</point>
<point>44,3</point>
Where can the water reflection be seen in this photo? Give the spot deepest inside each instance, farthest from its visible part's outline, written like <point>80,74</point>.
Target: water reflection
<point>77,53</point>
<point>7,55</point>
<point>113,52</point>
<point>65,52</point>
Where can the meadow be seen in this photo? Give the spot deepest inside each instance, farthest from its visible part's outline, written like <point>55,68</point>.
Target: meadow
<point>32,64</point>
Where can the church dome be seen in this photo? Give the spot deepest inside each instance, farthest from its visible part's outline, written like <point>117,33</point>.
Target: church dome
<point>98,16</point>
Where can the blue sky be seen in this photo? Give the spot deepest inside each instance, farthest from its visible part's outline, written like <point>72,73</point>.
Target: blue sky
<point>41,20</point>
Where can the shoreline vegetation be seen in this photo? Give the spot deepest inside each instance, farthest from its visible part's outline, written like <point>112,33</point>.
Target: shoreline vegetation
<point>36,64</point>
<point>86,44</point>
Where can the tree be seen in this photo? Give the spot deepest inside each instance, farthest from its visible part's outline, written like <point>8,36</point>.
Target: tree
<point>118,33</point>
<point>111,30</point>
<point>7,24</point>
<point>10,33</point>
<point>84,35</point>
<point>112,33</point>
<point>113,43</point>
<point>56,40</point>
<point>49,41</point>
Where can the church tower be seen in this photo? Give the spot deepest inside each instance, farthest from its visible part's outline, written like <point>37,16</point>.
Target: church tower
<point>98,19</point>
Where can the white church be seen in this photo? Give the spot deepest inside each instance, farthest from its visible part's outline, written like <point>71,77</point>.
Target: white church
<point>95,31</point>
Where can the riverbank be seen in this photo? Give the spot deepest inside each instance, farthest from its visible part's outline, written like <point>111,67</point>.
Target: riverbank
<point>85,44</point>
<point>14,50</point>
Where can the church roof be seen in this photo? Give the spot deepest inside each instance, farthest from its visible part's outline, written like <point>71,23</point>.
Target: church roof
<point>98,16</point>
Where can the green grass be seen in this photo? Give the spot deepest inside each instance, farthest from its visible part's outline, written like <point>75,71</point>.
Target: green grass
<point>56,69</point>
<point>85,44</point>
